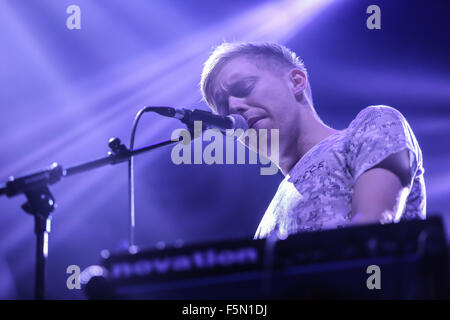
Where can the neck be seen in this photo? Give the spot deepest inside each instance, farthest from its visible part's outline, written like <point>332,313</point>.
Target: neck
<point>311,131</point>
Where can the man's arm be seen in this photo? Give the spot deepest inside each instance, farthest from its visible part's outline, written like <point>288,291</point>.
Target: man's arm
<point>381,189</point>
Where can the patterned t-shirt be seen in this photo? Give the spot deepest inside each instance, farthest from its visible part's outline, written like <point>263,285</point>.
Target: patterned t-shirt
<point>317,192</point>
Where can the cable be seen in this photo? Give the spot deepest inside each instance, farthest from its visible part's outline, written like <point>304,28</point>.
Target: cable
<point>132,221</point>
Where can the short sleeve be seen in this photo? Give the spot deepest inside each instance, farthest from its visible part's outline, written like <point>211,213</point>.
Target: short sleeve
<point>376,133</point>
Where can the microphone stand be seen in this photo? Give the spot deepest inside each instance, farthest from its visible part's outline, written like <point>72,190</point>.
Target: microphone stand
<point>40,202</point>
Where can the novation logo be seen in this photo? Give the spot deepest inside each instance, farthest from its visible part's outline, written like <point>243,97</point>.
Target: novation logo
<point>198,260</point>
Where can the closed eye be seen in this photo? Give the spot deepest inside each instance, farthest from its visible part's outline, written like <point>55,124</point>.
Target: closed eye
<point>242,88</point>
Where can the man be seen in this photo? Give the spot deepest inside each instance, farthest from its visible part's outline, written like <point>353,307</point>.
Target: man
<point>370,172</point>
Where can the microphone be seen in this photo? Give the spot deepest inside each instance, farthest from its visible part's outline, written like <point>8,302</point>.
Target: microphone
<point>209,120</point>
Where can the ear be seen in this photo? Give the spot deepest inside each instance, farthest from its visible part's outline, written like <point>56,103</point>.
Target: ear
<point>298,80</point>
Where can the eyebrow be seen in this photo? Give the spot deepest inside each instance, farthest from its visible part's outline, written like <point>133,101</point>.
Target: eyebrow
<point>241,78</point>
<point>223,88</point>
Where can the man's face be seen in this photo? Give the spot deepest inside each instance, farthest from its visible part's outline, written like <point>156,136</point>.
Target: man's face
<point>263,97</point>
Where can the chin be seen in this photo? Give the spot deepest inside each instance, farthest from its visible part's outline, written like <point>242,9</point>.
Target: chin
<point>262,124</point>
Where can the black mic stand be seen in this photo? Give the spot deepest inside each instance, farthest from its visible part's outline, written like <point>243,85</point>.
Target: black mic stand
<point>40,202</point>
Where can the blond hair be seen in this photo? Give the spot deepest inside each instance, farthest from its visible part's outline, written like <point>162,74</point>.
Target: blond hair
<point>272,56</point>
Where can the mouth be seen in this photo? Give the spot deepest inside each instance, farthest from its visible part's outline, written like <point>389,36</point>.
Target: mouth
<point>251,122</point>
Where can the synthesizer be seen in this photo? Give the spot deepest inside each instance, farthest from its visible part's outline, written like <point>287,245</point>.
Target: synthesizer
<point>411,259</point>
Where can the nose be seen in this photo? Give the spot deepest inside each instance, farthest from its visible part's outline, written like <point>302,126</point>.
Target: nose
<point>237,105</point>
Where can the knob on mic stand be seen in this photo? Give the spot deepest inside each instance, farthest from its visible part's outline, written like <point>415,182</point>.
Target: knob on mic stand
<point>40,203</point>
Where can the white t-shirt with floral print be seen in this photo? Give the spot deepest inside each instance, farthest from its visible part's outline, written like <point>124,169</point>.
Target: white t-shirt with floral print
<point>317,192</point>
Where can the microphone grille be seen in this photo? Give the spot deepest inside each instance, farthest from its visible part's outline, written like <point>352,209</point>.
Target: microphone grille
<point>238,122</point>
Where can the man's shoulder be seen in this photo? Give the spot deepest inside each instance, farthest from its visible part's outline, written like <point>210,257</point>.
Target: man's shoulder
<point>376,115</point>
